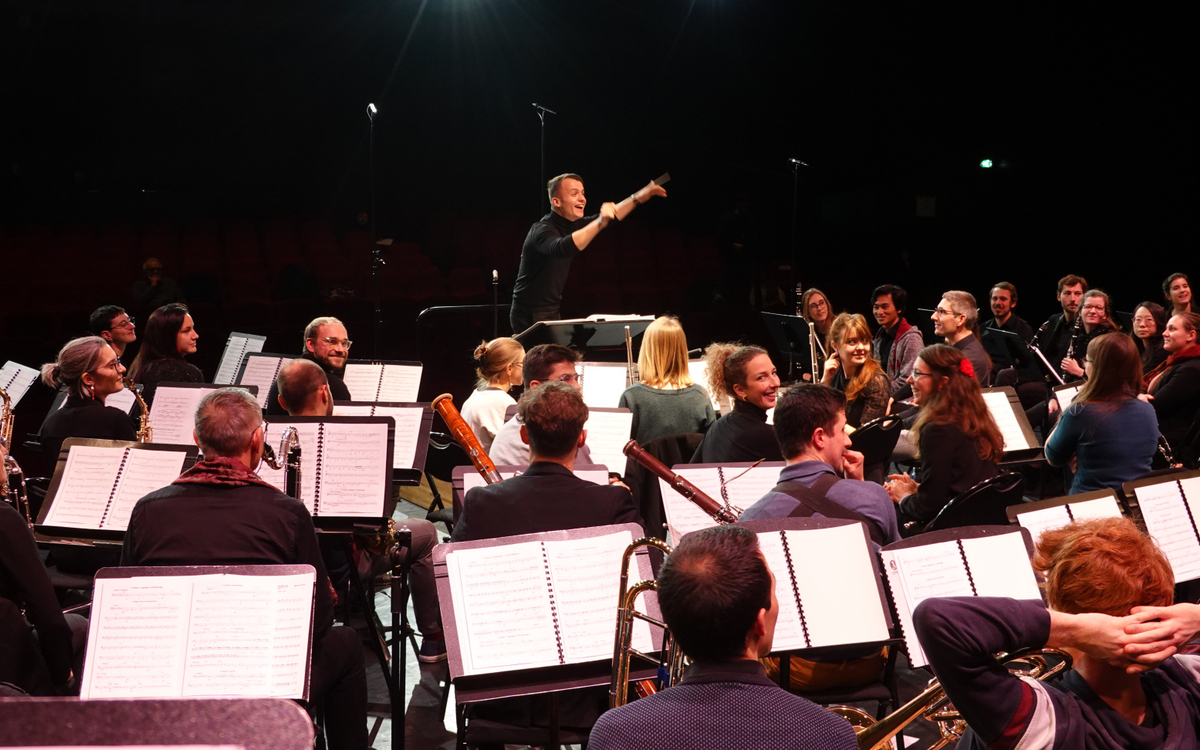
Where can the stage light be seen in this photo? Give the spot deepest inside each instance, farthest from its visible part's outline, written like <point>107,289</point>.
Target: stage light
<point>986,164</point>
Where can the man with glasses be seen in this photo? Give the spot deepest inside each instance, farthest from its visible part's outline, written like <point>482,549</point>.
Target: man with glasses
<point>543,363</point>
<point>115,326</point>
<point>156,290</point>
<point>956,319</point>
<point>326,344</point>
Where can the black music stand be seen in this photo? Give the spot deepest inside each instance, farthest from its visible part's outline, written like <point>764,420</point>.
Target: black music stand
<point>518,682</point>
<point>586,335</point>
<point>252,724</point>
<point>1029,451</point>
<point>240,376</point>
<point>1016,511</point>
<point>791,334</point>
<point>237,346</point>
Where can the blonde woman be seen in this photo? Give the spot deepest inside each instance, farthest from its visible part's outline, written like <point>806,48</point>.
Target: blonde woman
<point>499,363</point>
<point>666,401</point>
<point>852,370</point>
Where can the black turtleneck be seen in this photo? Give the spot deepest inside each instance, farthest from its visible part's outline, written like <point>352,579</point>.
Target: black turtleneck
<point>741,435</point>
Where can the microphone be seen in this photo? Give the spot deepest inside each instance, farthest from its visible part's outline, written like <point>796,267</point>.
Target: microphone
<point>371,111</point>
<point>540,108</point>
<point>798,162</point>
<point>495,276</point>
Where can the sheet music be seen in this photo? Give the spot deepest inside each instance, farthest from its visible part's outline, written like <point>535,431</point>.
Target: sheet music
<point>408,428</point>
<point>998,568</point>
<point>602,383</point>
<point>788,633</point>
<point>199,636</point>
<point>1066,396</point>
<point>354,475</point>
<point>261,371</point>
<point>837,584</point>
<point>237,346</point>
<point>86,498</point>
<point>1169,521</point>
<point>587,575</point>
<point>474,479</point>
<point>15,380</point>
<point>380,382</point>
<point>1003,412</point>
<point>607,434</point>
<point>173,414</point>
<point>502,607</point>
<point>683,516</point>
<point>1044,519</point>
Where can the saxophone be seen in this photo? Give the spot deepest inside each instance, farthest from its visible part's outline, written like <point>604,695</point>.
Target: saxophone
<point>12,479</point>
<point>145,433</point>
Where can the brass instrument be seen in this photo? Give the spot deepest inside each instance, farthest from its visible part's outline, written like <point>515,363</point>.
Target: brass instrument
<point>623,650</point>
<point>145,433</point>
<point>12,479</point>
<point>6,420</point>
<point>720,513</point>
<point>461,431</point>
<point>289,448</point>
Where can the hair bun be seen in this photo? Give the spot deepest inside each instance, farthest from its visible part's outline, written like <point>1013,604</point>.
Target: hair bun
<point>481,353</point>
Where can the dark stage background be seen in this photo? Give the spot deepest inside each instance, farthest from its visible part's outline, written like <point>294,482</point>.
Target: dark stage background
<point>230,139</point>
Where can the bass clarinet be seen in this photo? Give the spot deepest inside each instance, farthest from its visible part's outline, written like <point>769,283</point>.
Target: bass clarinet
<point>289,448</point>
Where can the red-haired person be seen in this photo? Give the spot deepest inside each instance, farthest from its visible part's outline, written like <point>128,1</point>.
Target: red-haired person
<point>1106,584</point>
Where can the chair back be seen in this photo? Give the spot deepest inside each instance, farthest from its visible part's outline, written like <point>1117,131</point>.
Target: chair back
<point>444,454</point>
<point>671,450</point>
<point>985,504</point>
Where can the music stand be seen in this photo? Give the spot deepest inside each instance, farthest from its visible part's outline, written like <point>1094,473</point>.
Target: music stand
<point>183,432</point>
<point>236,348</point>
<point>585,334</point>
<point>791,334</point>
<point>408,476</point>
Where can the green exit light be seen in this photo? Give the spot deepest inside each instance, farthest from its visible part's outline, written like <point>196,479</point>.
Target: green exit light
<point>986,163</point>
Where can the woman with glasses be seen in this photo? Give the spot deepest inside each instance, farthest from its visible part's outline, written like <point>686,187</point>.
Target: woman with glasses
<point>665,401</point>
<point>958,442</point>
<point>499,369</point>
<point>1149,322</point>
<point>746,375</point>
<point>1095,319</point>
<point>1106,435</point>
<point>815,308</point>
<point>88,370</point>
<point>852,370</point>
<point>170,335</point>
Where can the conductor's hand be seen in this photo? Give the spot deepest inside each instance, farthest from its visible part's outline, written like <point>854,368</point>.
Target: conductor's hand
<point>852,464</point>
<point>650,191</point>
<point>608,212</point>
<point>831,367</point>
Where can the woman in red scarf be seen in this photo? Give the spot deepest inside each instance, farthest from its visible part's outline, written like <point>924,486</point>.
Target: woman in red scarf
<point>1173,388</point>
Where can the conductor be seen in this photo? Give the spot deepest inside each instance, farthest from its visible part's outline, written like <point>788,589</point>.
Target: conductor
<point>555,240</point>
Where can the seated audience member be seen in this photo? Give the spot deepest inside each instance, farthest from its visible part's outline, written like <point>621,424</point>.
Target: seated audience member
<point>851,370</point>
<point>1095,319</point>
<point>546,497</point>
<point>41,650</point>
<point>327,344</point>
<point>1178,292</point>
<point>1173,388</point>
<point>1097,573</point>
<point>220,512</point>
<point>1149,323</point>
<point>1107,433</point>
<point>115,326</point>
<point>956,318</point>
<point>897,342</point>
<point>500,362</point>
<point>746,375</point>
<point>544,363</point>
<point>1054,337</point>
<point>304,392</point>
<point>170,336</point>
<point>1005,335</point>
<point>810,423</point>
<point>815,308</point>
<point>156,290</point>
<point>88,369</point>
<point>666,401</point>
<point>717,595</point>
<point>958,442</point>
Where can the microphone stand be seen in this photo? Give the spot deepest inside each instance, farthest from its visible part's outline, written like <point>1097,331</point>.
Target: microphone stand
<point>796,164</point>
<point>376,253</point>
<point>542,112</point>
<point>495,304</point>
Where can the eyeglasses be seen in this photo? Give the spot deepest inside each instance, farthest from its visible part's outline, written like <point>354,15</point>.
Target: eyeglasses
<point>817,304</point>
<point>943,313</point>
<point>1094,308</point>
<point>127,323</point>
<point>347,343</point>
<point>918,374</point>
<point>568,378</point>
<point>114,365</point>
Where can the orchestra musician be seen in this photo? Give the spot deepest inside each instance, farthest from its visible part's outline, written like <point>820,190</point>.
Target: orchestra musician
<point>1173,388</point>
<point>88,369</point>
<point>897,342</point>
<point>956,318</point>
<point>327,344</point>
<point>852,370</point>
<point>555,240</point>
<point>220,512</point>
<point>115,326</point>
<point>1107,435</point>
<point>546,497</point>
<point>1149,322</point>
<point>1178,292</point>
<point>499,370</point>
<point>1095,319</point>
<point>304,392</point>
<point>170,336</point>
<point>958,441</point>
<point>815,308</point>
<point>1106,585</point>
<point>665,401</point>
<point>717,596</point>
<point>1054,337</point>
<point>746,375</point>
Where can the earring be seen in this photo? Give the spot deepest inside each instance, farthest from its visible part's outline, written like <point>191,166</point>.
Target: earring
<point>91,390</point>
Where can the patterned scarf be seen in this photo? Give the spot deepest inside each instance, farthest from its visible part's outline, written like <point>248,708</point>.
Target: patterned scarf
<point>1154,376</point>
<point>225,472</point>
